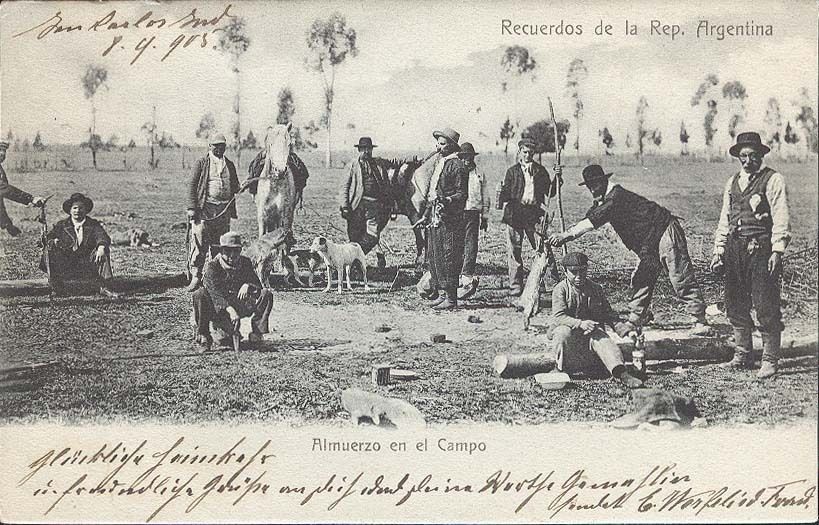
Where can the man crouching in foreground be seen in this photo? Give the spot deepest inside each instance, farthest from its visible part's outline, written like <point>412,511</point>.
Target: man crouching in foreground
<point>580,311</point>
<point>231,290</point>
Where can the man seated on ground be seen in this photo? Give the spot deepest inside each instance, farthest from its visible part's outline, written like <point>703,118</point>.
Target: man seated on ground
<point>231,290</point>
<point>78,247</point>
<point>580,312</point>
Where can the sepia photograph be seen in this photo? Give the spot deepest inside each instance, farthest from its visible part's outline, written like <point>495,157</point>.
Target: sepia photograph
<point>391,262</point>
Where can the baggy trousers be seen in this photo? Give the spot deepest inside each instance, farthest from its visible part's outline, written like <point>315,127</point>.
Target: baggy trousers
<point>671,256</point>
<point>258,307</point>
<point>514,242</point>
<point>366,223</point>
<point>445,252</point>
<point>472,223</point>
<point>205,235</point>
<point>748,283</point>
<point>578,352</point>
<point>67,264</point>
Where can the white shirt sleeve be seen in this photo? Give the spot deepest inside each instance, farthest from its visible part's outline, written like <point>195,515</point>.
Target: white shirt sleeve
<point>721,235</point>
<point>777,196</point>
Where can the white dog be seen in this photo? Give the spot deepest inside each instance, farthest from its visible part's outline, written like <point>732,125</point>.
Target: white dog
<point>341,257</point>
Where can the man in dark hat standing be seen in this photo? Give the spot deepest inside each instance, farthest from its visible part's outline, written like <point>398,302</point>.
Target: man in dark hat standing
<point>12,193</point>
<point>211,204</point>
<point>231,290</point>
<point>476,217</point>
<point>78,247</point>
<point>580,312</point>
<point>367,197</point>
<point>446,198</point>
<point>752,234</point>
<point>524,190</point>
<point>650,231</point>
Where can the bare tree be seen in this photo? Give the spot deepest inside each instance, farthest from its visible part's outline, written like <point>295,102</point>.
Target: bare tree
<point>736,94</point>
<point>207,124</point>
<point>152,136</point>
<point>710,82</point>
<point>507,133</point>
<point>329,43</point>
<point>234,42</point>
<point>642,131</point>
<point>518,66</point>
<point>807,119</point>
<point>607,139</point>
<point>773,124</point>
<point>95,78</point>
<point>574,78</point>
<point>287,106</point>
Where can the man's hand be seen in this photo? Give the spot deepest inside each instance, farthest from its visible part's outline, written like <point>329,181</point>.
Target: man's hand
<point>345,212</point>
<point>99,255</point>
<point>588,326</point>
<point>192,214</point>
<point>717,264</point>
<point>558,169</point>
<point>235,320</point>
<point>38,202</point>
<point>244,292</point>
<point>484,223</point>
<point>774,263</point>
<point>557,239</point>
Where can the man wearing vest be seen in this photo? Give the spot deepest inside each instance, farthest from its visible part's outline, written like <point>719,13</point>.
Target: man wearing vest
<point>211,205</point>
<point>650,231</point>
<point>752,234</point>
<point>366,197</point>
<point>524,189</point>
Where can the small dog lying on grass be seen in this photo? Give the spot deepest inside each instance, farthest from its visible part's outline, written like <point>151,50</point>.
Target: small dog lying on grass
<point>133,237</point>
<point>341,257</point>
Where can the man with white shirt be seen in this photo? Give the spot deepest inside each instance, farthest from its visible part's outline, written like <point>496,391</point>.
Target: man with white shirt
<point>524,191</point>
<point>752,234</point>
<point>211,205</point>
<point>78,247</point>
<point>650,231</point>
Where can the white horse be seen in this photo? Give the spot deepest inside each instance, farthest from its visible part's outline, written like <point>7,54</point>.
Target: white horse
<point>276,190</point>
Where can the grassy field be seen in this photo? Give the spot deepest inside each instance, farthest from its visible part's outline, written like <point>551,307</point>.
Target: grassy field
<point>323,343</point>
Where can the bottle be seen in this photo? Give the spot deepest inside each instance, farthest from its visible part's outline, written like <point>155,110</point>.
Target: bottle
<point>498,189</point>
<point>638,355</point>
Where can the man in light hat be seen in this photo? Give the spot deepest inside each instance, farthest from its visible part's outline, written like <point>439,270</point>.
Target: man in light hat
<point>444,215</point>
<point>476,217</point>
<point>752,234</point>
<point>211,204</point>
<point>366,199</point>
<point>7,191</point>
<point>523,192</point>
<point>650,231</point>
<point>231,290</point>
<point>580,312</point>
<point>78,247</point>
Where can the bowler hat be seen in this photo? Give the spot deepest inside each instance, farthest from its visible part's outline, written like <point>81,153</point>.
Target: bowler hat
<point>4,144</point>
<point>575,260</point>
<point>230,240</point>
<point>87,203</point>
<point>748,138</point>
<point>219,138</point>
<point>527,141</point>
<point>365,142</point>
<point>593,173</point>
<point>652,406</point>
<point>448,133</point>
<point>467,150</point>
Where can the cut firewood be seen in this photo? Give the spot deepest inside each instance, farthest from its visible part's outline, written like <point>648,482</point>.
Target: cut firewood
<point>366,407</point>
<point>515,366</point>
<point>403,375</point>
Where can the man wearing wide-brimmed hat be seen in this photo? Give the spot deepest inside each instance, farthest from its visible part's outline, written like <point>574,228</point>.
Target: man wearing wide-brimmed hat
<point>231,290</point>
<point>366,199</point>
<point>650,231</point>
<point>580,313</point>
<point>211,204</point>
<point>12,193</point>
<point>523,192</point>
<point>78,247</point>
<point>752,234</point>
<point>476,217</point>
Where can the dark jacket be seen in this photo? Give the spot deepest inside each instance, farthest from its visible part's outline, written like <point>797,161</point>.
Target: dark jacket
<point>453,183</point>
<point>515,213</point>
<point>198,184</point>
<point>12,193</point>
<point>223,285</point>
<point>93,235</point>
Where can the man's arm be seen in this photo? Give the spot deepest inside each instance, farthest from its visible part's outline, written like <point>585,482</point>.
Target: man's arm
<point>560,309</point>
<point>13,193</point>
<point>486,202</point>
<point>101,237</point>
<point>777,195</point>
<point>578,230</point>
<point>721,234</point>
<point>504,196</point>
<point>193,189</point>
<point>216,284</point>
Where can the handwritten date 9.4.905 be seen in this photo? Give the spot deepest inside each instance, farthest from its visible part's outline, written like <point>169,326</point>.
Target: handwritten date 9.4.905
<point>138,34</point>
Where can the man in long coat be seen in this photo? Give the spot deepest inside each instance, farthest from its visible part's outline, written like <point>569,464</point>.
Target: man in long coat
<point>12,193</point>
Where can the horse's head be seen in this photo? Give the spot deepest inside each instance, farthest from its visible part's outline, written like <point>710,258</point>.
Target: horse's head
<point>277,149</point>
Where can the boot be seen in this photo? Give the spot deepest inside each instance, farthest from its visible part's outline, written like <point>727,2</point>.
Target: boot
<point>770,354</point>
<point>382,261</point>
<point>743,351</point>
<point>450,299</point>
<point>196,281</point>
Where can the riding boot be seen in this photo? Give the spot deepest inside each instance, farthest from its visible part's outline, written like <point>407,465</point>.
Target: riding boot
<point>771,344</point>
<point>743,351</point>
<point>450,301</point>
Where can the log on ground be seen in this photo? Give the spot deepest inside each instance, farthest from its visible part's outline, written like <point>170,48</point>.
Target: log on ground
<point>125,283</point>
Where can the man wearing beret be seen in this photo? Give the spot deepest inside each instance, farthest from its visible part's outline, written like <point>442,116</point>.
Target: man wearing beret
<point>446,198</point>
<point>650,231</point>
<point>231,291</point>
<point>580,312</point>
<point>752,234</point>
<point>524,190</point>
<point>78,247</point>
<point>211,204</point>
<point>366,199</point>
<point>12,193</point>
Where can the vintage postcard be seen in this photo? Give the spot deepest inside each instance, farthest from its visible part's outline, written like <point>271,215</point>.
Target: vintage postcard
<point>408,262</point>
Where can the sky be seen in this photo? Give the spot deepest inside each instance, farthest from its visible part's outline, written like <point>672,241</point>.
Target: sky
<point>421,66</point>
